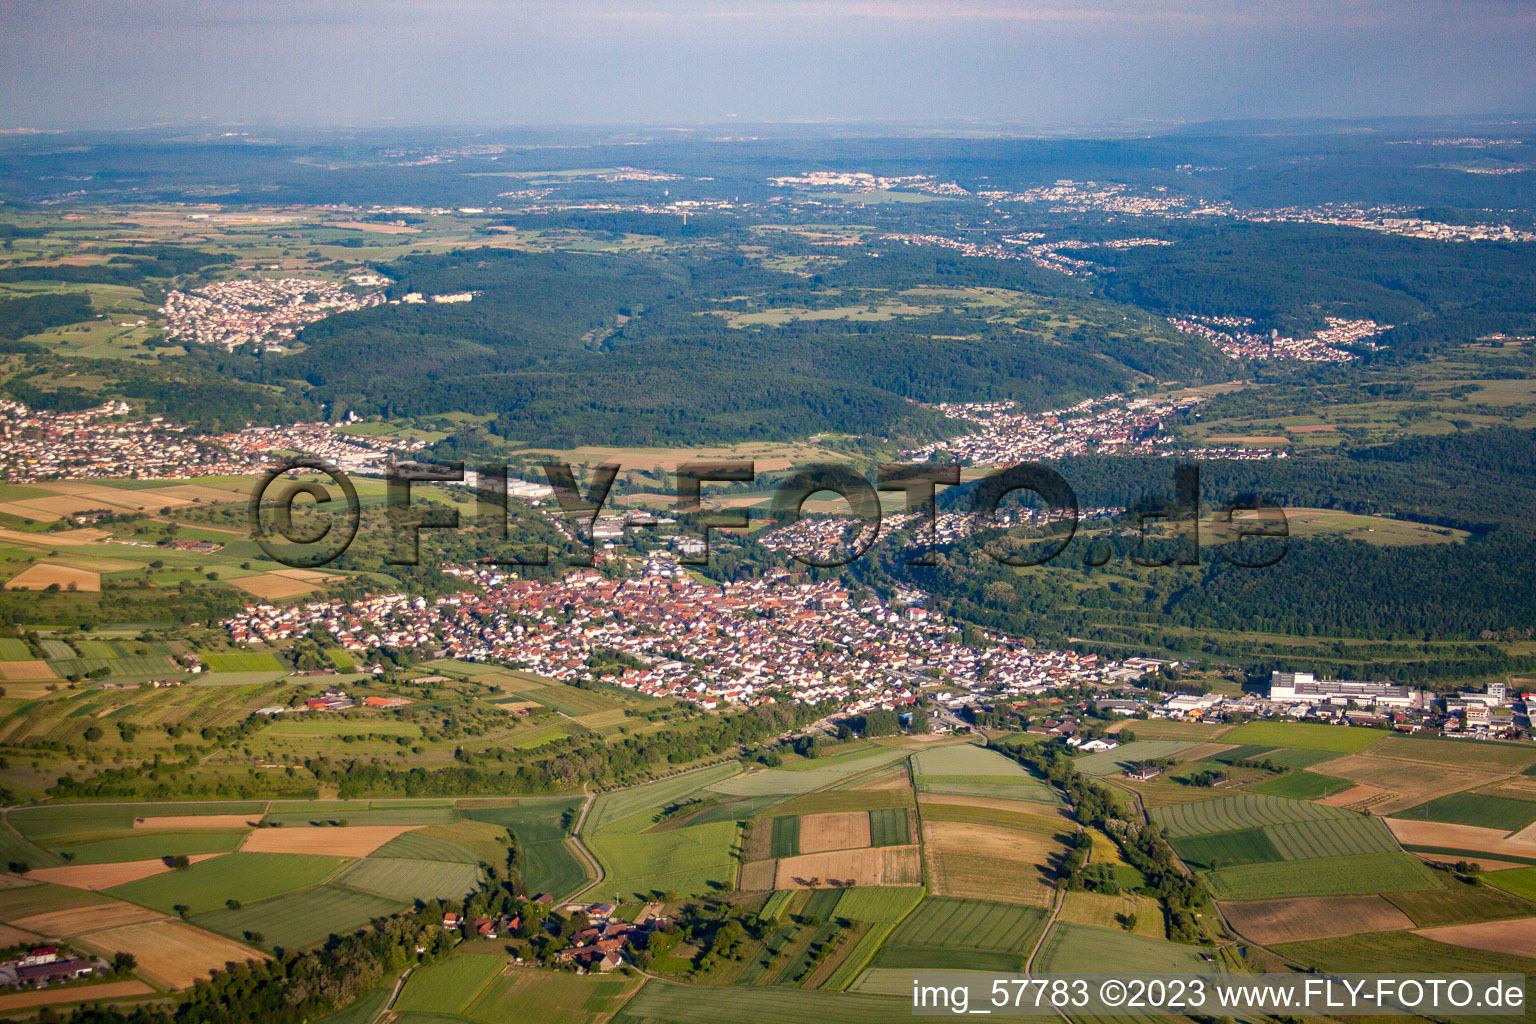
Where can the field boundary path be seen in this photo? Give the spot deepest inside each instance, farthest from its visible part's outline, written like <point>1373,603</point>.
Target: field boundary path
<point>586,855</point>
<point>389,1004</point>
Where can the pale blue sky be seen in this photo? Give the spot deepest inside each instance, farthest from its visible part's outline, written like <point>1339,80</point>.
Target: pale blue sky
<point>132,62</point>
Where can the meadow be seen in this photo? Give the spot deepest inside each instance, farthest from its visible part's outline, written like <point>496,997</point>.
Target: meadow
<point>247,877</point>
<point>661,1002</point>
<point>1301,785</point>
<point>1459,902</point>
<point>298,920</point>
<point>1306,735</point>
<point>798,780</point>
<point>785,837</point>
<point>1322,876</point>
<point>449,986</point>
<point>687,861</point>
<point>1502,757</point>
<point>422,879</point>
<point>548,863</point>
<point>526,994</point>
<point>1519,882</point>
<point>1480,809</point>
<point>877,905</point>
<point>1113,762</point>
<point>1229,814</point>
<point>1076,948</point>
<point>955,934</point>
<point>891,826</point>
<point>620,804</point>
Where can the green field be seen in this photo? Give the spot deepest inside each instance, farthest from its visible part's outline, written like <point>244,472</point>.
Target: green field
<point>1407,953</point>
<point>361,814</point>
<point>1301,786</point>
<point>661,1002</point>
<point>859,957</point>
<point>246,877</point>
<point>12,649</point>
<point>548,863</point>
<point>1227,849</point>
<point>876,905</point>
<point>1322,876</point>
<point>965,759</point>
<point>149,844</point>
<point>1023,788</point>
<point>1076,948</point>
<point>56,823</point>
<point>242,661</point>
<point>528,994</point>
<point>953,934</point>
<point>786,837</point>
<point>298,920</point>
<point>1461,903</point>
<point>619,804</point>
<point>27,900</point>
<point>411,879</point>
<point>1331,837</point>
<point>1486,811</point>
<point>890,827</point>
<point>685,861</point>
<point>1507,757</point>
<point>1241,811</point>
<point>1521,881</point>
<point>364,1010</point>
<point>450,985</point>
<point>802,779</point>
<point>1307,735</point>
<point>1113,762</point>
<point>837,801</point>
<point>415,846</point>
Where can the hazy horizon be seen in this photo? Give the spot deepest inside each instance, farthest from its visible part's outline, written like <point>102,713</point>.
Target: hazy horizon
<point>1042,63</point>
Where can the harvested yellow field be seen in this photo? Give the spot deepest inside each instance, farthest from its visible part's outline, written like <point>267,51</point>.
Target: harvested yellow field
<point>1411,783</point>
<point>205,494</point>
<point>987,862</point>
<point>16,937</point>
<point>758,875</point>
<point>199,821</point>
<point>37,515</point>
<point>889,865</point>
<point>1517,938</point>
<point>1457,837</point>
<point>269,586</point>
<point>47,574</point>
<point>25,671</point>
<point>820,832</point>
<point>1322,917</point>
<point>78,920</point>
<point>172,953</point>
<point>54,996</point>
<point>52,540</point>
<point>1358,796</point>
<point>105,876</point>
<point>1114,912</point>
<point>895,779</point>
<point>340,841</point>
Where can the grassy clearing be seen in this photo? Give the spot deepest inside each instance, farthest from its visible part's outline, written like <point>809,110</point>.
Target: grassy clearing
<point>247,877</point>
<point>1306,735</point>
<point>1323,876</point>
<point>298,920</point>
<point>1480,809</point>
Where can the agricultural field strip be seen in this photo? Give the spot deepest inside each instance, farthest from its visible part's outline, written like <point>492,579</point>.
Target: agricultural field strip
<point>1242,811</point>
